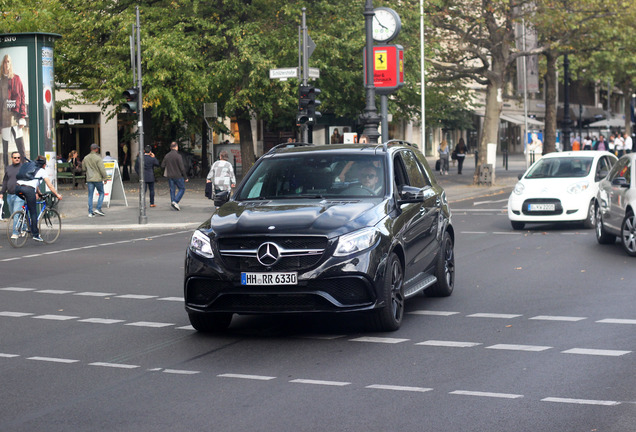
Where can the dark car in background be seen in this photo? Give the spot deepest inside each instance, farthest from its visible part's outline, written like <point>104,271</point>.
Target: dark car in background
<point>323,229</point>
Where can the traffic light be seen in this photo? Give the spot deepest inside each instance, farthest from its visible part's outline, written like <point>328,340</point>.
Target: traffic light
<point>307,104</point>
<point>131,96</point>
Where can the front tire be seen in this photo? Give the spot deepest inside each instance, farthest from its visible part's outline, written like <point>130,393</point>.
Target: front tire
<point>445,271</point>
<point>210,322</point>
<point>517,225</point>
<point>628,234</point>
<point>590,221</point>
<point>389,318</point>
<point>50,226</point>
<point>602,236</point>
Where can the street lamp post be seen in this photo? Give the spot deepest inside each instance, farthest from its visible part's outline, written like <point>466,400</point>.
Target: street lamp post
<point>370,118</point>
<point>423,79</point>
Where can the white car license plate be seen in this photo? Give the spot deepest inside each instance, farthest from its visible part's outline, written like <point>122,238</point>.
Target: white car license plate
<point>541,207</point>
<point>289,278</point>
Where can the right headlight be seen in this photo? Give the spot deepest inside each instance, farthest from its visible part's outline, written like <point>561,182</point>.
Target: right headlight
<point>519,188</point>
<point>200,245</point>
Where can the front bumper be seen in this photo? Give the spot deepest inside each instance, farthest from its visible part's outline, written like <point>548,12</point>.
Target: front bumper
<point>565,210</point>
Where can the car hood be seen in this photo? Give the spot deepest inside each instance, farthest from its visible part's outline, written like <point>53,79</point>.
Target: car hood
<point>555,186</point>
<point>326,217</point>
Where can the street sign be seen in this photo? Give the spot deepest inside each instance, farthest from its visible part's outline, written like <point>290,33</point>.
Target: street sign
<point>71,121</point>
<point>388,68</point>
<point>283,74</point>
<point>313,73</point>
<point>210,110</point>
<point>311,46</point>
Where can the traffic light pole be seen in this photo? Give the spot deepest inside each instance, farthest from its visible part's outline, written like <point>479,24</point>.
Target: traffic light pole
<point>143,218</point>
<point>305,71</point>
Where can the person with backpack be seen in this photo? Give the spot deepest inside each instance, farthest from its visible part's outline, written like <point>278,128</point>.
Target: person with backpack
<point>31,174</point>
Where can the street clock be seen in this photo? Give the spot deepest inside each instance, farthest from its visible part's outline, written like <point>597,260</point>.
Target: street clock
<point>386,24</point>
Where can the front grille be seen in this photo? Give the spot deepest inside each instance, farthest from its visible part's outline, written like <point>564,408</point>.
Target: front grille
<point>202,291</point>
<point>286,264</point>
<point>346,291</point>
<point>558,208</point>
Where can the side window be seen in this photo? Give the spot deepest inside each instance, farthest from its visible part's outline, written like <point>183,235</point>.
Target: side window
<point>414,170</point>
<point>619,168</point>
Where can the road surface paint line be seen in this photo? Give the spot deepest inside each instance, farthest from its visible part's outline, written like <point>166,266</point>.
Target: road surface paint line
<point>114,365</point>
<point>616,321</point>
<point>322,337</point>
<point>149,324</point>
<point>374,339</point>
<point>557,318</point>
<point>188,327</point>
<point>507,233</point>
<point>534,348</point>
<point>493,315</point>
<point>51,291</point>
<point>433,312</point>
<point>451,344</point>
<point>580,401</point>
<point>474,232</point>
<point>17,289</point>
<point>53,359</point>
<point>136,296</point>
<point>56,317</point>
<point>180,372</point>
<point>399,388</point>
<point>486,394</point>
<point>174,299</point>
<point>15,314</point>
<point>101,321</point>
<point>94,294</point>
<point>11,259</point>
<point>320,382</point>
<point>3,355</point>
<point>596,352</point>
<point>248,377</point>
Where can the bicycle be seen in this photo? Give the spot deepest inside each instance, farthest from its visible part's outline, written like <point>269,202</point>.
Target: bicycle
<point>49,222</point>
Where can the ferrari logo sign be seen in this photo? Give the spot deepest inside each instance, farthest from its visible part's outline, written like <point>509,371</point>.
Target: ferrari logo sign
<point>388,68</point>
<point>381,63</point>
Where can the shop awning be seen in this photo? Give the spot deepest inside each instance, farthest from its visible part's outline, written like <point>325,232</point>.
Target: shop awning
<point>519,120</point>
<point>612,123</point>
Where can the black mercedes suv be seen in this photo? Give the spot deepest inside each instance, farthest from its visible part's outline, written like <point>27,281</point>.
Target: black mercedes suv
<point>323,228</point>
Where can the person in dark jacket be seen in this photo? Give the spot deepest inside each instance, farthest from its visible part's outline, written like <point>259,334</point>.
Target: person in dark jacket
<point>9,182</point>
<point>150,162</point>
<point>176,173</point>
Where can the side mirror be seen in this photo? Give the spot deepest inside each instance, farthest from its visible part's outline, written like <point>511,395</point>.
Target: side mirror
<point>221,198</point>
<point>519,176</point>
<point>410,194</point>
<point>621,182</point>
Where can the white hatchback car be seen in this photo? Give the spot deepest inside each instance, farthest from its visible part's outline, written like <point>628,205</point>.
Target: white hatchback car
<point>559,187</point>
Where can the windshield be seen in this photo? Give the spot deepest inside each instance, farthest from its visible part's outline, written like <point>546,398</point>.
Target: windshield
<point>560,167</point>
<point>316,176</point>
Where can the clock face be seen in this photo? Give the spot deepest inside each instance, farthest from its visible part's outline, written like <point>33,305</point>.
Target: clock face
<point>386,24</point>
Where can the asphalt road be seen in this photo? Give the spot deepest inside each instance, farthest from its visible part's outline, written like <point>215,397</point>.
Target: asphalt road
<point>538,336</point>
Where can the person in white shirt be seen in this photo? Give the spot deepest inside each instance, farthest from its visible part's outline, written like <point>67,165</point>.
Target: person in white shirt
<point>628,143</point>
<point>29,189</point>
<point>619,145</point>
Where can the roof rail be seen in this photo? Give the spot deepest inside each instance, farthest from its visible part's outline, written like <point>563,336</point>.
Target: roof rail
<point>288,145</point>
<point>402,142</point>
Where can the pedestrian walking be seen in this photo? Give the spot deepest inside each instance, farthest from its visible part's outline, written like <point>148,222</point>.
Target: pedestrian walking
<point>619,145</point>
<point>9,182</point>
<point>96,176</point>
<point>460,154</point>
<point>150,162</point>
<point>628,143</point>
<point>176,173</point>
<point>222,174</point>
<point>443,156</point>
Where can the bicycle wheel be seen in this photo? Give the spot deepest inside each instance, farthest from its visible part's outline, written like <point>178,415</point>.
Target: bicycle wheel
<point>18,218</point>
<point>50,225</point>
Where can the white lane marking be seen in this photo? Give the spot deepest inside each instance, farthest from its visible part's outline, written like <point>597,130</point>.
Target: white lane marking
<point>451,344</point>
<point>53,359</point>
<point>3,355</point>
<point>510,347</point>
<point>15,314</point>
<point>557,318</point>
<point>52,291</point>
<point>180,372</point>
<point>486,394</point>
<point>476,203</point>
<point>507,233</point>
<point>101,321</point>
<point>616,321</point>
<point>320,382</point>
<point>374,339</point>
<point>94,294</point>
<point>493,315</point>
<point>188,327</point>
<point>597,352</point>
<point>580,401</point>
<point>322,337</point>
<point>136,296</point>
<point>114,365</point>
<point>17,289</point>
<point>56,317</point>
<point>433,312</point>
<point>474,232</point>
<point>248,377</point>
<point>174,299</point>
<point>149,324</point>
<point>399,388</point>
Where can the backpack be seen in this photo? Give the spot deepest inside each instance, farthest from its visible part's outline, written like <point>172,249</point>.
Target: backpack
<point>27,170</point>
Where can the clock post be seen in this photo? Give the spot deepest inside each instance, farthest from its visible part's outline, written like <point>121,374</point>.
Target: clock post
<point>370,118</point>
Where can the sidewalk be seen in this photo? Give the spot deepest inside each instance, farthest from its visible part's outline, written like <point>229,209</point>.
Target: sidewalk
<point>195,207</point>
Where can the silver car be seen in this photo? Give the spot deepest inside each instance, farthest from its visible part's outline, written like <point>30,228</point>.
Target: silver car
<point>616,205</point>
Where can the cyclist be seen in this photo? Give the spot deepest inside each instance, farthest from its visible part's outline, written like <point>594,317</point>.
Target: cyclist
<point>29,189</point>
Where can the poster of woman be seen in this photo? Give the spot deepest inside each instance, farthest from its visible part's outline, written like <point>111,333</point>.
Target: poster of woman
<point>13,102</point>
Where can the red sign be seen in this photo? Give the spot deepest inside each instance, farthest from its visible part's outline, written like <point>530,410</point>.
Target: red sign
<point>388,68</point>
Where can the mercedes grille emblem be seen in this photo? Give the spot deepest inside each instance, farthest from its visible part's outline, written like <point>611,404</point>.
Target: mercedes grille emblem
<point>268,254</point>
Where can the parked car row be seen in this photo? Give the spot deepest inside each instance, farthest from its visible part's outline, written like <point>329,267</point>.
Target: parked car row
<point>593,188</point>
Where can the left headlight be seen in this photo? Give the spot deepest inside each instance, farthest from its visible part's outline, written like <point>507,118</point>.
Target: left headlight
<point>356,241</point>
<point>519,188</point>
<point>200,245</point>
<point>578,187</point>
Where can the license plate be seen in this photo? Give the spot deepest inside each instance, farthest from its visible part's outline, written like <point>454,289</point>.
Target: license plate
<point>289,278</point>
<point>541,207</point>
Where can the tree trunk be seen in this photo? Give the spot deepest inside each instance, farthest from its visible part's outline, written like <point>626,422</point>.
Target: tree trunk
<point>627,91</point>
<point>549,137</point>
<point>494,105</point>
<point>247,142</point>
